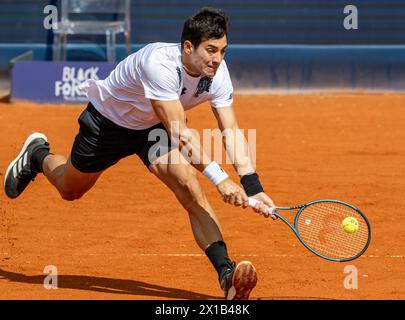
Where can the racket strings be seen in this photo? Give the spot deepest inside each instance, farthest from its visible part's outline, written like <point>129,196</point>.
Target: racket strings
<point>320,227</point>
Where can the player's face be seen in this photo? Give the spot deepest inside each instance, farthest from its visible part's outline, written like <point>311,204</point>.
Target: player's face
<point>206,58</point>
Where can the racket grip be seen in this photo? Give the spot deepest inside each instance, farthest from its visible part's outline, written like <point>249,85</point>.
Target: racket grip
<point>253,202</point>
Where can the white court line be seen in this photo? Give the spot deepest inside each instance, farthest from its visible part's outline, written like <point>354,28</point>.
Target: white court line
<point>236,255</point>
<point>394,257</point>
<point>174,254</point>
<point>246,255</point>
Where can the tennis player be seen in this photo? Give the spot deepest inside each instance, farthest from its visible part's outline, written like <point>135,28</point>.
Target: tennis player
<point>146,94</point>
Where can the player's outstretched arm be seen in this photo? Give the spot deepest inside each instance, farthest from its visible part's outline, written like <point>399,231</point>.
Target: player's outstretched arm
<point>238,151</point>
<point>172,115</point>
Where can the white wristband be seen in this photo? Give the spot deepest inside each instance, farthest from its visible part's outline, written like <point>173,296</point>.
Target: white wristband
<point>215,173</point>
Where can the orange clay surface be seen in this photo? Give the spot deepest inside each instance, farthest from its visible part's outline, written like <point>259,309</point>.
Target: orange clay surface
<point>129,238</point>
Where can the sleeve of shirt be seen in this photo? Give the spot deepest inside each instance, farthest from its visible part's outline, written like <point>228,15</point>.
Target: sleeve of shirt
<point>222,95</point>
<point>160,80</point>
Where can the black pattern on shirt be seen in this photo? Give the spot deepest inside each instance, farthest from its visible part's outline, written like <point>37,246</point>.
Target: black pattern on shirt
<point>204,85</point>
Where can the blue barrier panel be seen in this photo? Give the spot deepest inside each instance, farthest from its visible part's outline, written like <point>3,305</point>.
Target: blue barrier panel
<point>57,82</point>
<point>317,67</point>
<point>281,68</point>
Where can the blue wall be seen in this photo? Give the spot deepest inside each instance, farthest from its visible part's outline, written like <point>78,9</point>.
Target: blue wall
<point>252,21</point>
<point>293,44</point>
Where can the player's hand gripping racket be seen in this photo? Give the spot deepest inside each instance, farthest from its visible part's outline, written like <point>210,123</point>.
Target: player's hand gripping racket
<point>320,226</point>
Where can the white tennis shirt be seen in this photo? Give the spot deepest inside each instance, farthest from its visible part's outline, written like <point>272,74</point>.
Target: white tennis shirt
<point>154,72</point>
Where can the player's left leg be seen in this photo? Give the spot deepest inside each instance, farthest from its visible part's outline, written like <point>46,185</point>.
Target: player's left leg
<point>237,281</point>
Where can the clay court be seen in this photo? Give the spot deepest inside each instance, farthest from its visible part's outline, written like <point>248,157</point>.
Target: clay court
<point>128,238</point>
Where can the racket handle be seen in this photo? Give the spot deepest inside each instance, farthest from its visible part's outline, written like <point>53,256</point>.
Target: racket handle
<point>253,202</point>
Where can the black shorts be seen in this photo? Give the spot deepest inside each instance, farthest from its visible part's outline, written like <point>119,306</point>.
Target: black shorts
<point>101,143</point>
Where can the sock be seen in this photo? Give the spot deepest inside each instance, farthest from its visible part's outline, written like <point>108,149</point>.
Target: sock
<point>218,256</point>
<point>38,157</point>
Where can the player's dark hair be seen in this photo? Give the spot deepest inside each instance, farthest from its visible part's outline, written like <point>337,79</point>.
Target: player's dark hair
<point>208,23</point>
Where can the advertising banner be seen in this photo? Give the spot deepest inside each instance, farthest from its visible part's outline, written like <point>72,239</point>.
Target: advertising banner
<point>55,82</point>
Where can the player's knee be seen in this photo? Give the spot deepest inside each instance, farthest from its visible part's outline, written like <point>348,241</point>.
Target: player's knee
<point>71,195</point>
<point>189,191</point>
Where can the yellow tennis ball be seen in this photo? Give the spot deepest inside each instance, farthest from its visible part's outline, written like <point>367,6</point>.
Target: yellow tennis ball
<point>350,225</point>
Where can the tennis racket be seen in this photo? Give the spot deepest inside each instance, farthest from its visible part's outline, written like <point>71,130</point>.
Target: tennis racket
<point>318,225</point>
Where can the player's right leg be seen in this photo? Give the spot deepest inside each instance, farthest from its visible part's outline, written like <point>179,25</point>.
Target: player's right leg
<point>98,145</point>
<point>35,158</point>
<point>71,183</point>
